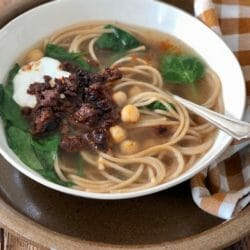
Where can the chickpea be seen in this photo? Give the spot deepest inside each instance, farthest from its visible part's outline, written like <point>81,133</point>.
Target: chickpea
<point>129,147</point>
<point>130,113</point>
<point>34,55</point>
<point>118,134</point>
<point>120,98</point>
<point>134,91</point>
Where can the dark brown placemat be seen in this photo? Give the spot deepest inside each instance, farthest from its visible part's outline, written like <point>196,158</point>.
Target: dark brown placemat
<point>161,217</point>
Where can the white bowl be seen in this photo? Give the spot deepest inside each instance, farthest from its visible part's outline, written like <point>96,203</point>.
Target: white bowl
<point>34,25</point>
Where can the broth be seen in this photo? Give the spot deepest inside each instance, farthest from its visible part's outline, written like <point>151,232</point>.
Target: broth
<point>158,146</point>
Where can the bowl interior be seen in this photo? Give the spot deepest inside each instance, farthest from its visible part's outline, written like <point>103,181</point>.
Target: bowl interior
<point>31,27</point>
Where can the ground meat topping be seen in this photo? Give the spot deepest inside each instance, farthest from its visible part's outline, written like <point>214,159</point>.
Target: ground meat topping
<point>98,138</point>
<point>86,114</point>
<point>80,107</point>
<point>44,120</point>
<point>70,143</point>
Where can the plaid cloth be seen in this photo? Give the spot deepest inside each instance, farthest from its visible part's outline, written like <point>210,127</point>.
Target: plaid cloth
<point>224,188</point>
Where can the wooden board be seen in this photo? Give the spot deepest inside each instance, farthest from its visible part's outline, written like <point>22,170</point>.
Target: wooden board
<point>167,220</point>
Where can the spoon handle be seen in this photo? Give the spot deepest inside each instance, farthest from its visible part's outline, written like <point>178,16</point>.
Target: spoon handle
<point>236,128</point>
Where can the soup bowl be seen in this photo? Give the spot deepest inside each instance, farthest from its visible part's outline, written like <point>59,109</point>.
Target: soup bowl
<point>24,31</point>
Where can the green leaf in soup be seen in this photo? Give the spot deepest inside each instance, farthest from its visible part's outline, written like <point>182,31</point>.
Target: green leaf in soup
<point>181,69</point>
<point>10,111</point>
<point>61,54</point>
<point>158,105</point>
<point>1,95</point>
<point>118,40</point>
<point>51,175</point>
<point>21,143</point>
<point>11,76</point>
<point>46,149</point>
<point>38,154</point>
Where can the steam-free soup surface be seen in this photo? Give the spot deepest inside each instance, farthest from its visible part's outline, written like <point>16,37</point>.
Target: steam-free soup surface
<point>105,112</point>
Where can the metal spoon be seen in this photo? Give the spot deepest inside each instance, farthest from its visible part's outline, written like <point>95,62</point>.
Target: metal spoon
<point>236,128</point>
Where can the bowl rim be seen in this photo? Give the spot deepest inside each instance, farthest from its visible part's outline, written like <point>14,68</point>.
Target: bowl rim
<point>116,196</point>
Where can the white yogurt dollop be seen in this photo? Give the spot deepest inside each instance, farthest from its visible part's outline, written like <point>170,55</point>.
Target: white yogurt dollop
<point>35,72</point>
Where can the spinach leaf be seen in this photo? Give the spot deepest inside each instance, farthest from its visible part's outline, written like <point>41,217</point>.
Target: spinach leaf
<point>181,69</point>
<point>50,175</point>
<point>46,149</point>
<point>118,40</point>
<point>59,53</point>
<point>38,154</point>
<point>11,76</point>
<point>21,143</point>
<point>10,111</point>
<point>1,96</point>
<point>157,105</point>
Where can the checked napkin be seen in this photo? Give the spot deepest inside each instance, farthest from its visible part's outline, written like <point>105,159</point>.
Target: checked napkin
<point>223,189</point>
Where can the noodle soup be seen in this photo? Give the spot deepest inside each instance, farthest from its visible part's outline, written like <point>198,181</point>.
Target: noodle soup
<point>94,108</point>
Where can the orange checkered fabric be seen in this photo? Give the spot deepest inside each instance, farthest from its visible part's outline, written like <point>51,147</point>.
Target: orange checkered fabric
<point>224,188</point>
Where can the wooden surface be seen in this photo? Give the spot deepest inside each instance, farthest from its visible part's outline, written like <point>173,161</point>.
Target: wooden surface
<point>10,241</point>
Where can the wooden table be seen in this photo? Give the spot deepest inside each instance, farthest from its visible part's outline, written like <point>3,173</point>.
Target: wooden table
<point>10,242</point>
<point>7,240</point>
